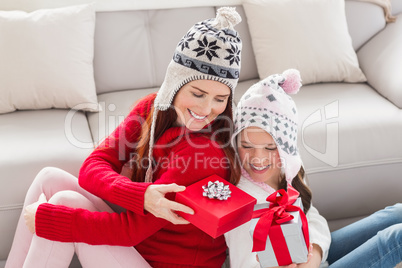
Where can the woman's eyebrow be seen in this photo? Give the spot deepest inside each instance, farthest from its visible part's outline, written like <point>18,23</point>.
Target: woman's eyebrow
<point>222,96</point>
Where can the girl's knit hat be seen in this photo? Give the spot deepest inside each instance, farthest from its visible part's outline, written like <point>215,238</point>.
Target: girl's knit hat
<point>209,51</point>
<point>268,106</point>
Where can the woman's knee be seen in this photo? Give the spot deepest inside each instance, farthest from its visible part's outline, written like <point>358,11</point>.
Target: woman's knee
<point>49,174</point>
<point>71,199</point>
<point>51,180</point>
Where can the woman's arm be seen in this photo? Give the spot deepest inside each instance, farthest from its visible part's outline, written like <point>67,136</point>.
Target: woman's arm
<point>64,224</point>
<point>100,172</point>
<point>61,223</point>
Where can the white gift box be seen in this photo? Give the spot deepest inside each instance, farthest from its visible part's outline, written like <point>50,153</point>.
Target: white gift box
<point>293,235</point>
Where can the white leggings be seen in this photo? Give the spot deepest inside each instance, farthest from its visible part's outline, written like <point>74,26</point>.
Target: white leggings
<point>30,250</point>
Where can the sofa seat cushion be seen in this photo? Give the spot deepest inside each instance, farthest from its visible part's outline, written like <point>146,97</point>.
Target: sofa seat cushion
<point>30,141</point>
<point>348,133</point>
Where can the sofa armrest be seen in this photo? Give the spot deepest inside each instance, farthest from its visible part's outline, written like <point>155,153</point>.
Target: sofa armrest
<point>381,61</point>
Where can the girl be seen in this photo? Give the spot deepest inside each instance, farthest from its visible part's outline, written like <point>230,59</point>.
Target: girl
<point>199,83</point>
<point>266,141</point>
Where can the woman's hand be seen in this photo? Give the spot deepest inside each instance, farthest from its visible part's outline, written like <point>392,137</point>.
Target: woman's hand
<point>30,212</point>
<point>161,207</point>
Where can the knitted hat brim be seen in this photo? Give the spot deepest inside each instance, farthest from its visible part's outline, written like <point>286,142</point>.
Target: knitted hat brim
<point>177,76</point>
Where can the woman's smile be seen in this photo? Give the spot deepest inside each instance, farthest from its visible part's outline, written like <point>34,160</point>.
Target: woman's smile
<point>196,116</point>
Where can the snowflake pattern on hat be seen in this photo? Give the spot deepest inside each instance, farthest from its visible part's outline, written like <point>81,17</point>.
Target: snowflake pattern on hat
<point>210,50</point>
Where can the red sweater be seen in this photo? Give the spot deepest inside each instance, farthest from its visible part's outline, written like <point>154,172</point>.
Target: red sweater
<point>193,157</point>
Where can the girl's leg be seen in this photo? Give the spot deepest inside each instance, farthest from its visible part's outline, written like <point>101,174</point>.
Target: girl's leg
<point>46,253</point>
<point>349,238</point>
<point>382,250</point>
<point>48,181</point>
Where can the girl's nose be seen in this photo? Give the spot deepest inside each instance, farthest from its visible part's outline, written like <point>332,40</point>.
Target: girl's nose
<point>260,156</point>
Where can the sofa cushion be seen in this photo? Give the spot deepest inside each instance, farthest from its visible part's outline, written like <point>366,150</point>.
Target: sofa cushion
<point>381,60</point>
<point>30,141</point>
<point>396,6</point>
<point>39,69</point>
<point>123,63</point>
<point>363,26</point>
<point>310,35</point>
<point>348,133</point>
<point>115,107</point>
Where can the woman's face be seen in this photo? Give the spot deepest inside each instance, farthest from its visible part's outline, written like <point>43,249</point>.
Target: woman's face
<point>259,156</point>
<point>199,102</point>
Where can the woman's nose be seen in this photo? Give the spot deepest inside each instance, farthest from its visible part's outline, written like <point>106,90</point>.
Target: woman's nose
<point>206,108</point>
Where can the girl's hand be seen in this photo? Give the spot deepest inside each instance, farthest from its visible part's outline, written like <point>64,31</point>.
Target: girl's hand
<point>161,207</point>
<point>293,265</point>
<point>30,212</point>
<point>312,261</point>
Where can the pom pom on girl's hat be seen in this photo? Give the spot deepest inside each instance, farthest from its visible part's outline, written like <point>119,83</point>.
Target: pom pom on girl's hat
<point>211,50</point>
<point>267,105</point>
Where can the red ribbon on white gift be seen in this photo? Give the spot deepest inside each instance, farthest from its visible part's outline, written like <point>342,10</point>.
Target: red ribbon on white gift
<point>276,214</point>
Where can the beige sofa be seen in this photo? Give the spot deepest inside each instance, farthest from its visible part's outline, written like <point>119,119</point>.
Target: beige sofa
<point>350,134</point>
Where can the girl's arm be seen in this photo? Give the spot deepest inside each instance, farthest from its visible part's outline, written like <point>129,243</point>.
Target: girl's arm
<point>320,235</point>
<point>240,244</point>
<point>100,172</point>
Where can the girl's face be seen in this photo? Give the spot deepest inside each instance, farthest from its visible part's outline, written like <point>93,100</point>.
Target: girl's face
<point>199,102</point>
<point>259,156</point>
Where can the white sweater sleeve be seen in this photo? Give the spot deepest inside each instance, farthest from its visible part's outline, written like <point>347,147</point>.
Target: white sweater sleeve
<point>319,231</point>
<point>240,244</point>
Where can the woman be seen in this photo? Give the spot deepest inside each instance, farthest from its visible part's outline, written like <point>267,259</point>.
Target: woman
<point>199,83</point>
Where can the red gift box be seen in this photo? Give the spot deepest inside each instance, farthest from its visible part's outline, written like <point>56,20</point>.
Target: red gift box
<point>213,216</point>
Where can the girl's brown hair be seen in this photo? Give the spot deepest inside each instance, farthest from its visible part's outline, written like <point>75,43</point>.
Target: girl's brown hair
<point>301,187</point>
<point>166,119</point>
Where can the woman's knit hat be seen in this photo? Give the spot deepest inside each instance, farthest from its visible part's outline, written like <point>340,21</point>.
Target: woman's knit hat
<point>268,106</point>
<point>209,51</point>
